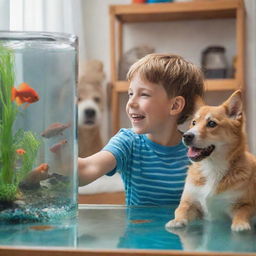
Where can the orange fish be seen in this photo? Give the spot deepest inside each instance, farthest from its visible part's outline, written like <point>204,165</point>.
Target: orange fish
<point>56,147</point>
<point>24,94</point>
<point>41,227</point>
<point>35,176</point>
<point>20,151</point>
<point>42,168</point>
<point>55,129</point>
<point>140,221</point>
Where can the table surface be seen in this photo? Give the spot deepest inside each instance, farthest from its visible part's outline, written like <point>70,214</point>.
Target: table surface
<point>119,227</point>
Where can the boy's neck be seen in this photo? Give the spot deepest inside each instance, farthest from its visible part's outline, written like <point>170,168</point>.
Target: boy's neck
<point>171,139</point>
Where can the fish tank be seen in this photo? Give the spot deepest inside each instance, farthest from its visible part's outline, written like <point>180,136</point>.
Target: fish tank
<point>38,139</point>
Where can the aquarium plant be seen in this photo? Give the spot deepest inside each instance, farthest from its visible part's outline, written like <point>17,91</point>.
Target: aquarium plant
<point>13,166</point>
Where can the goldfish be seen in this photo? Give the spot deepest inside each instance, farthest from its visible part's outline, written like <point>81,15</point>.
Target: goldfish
<point>56,147</point>
<point>41,227</point>
<point>32,180</point>
<point>140,221</point>
<point>20,151</point>
<point>55,129</point>
<point>24,94</point>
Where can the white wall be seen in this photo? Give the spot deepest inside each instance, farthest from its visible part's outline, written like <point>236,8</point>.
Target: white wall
<point>96,25</point>
<point>4,15</point>
<point>187,38</point>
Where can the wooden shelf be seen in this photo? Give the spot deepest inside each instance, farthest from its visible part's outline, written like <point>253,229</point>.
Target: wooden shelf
<point>192,10</point>
<point>210,85</point>
<point>121,86</point>
<point>221,84</point>
<point>175,11</point>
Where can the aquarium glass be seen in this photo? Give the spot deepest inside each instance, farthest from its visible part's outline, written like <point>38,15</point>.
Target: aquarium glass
<point>38,142</point>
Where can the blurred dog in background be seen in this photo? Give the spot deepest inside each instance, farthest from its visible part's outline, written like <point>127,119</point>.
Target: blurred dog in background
<point>90,107</point>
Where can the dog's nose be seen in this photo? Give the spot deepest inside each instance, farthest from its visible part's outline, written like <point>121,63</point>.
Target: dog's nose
<point>89,112</point>
<point>188,137</point>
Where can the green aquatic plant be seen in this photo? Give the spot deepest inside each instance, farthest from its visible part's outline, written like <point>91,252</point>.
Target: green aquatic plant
<point>31,145</point>
<point>8,115</point>
<point>8,192</point>
<point>12,169</point>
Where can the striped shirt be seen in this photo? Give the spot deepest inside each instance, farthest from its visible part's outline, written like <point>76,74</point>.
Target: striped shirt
<point>153,174</point>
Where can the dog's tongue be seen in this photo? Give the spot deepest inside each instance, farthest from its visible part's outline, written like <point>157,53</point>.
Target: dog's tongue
<point>193,152</point>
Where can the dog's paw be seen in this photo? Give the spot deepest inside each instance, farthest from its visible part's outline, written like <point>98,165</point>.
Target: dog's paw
<point>241,226</point>
<point>176,223</point>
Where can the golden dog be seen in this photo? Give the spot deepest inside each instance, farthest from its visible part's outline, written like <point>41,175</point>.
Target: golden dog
<point>222,177</point>
<point>90,107</point>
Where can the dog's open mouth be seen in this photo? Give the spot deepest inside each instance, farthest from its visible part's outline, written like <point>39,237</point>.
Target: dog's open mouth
<point>89,122</point>
<point>198,154</point>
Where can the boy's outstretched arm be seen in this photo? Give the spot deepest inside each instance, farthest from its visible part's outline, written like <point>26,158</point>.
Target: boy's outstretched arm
<point>95,166</point>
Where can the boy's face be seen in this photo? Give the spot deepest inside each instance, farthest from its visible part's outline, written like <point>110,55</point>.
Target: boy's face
<point>148,107</point>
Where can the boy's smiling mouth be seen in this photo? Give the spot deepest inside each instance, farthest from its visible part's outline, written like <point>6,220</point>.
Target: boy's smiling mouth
<point>136,117</point>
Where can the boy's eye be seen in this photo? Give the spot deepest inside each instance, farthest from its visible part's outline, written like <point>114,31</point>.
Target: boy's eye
<point>193,122</point>
<point>130,94</point>
<point>211,124</point>
<point>145,94</point>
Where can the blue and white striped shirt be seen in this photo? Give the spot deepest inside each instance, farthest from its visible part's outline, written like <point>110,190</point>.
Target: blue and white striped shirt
<point>152,174</point>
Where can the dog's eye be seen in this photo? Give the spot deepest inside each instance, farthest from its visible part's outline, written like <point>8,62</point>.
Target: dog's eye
<point>79,99</point>
<point>96,99</point>
<point>193,122</point>
<point>211,124</point>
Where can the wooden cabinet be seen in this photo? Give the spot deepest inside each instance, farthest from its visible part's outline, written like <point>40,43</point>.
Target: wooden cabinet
<point>192,10</point>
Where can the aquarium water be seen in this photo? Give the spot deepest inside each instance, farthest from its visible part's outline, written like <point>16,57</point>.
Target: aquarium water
<point>38,140</point>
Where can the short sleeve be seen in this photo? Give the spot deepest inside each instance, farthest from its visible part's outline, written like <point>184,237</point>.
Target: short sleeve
<point>120,146</point>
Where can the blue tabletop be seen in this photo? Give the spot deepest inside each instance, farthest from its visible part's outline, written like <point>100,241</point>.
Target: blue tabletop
<point>112,227</point>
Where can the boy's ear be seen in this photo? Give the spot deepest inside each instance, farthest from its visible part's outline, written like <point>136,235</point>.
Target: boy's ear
<point>177,105</point>
<point>234,105</point>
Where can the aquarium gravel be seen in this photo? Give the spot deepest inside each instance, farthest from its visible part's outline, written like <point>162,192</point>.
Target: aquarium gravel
<point>29,214</point>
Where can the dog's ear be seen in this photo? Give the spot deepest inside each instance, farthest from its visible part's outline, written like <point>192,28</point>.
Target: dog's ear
<point>234,105</point>
<point>91,72</point>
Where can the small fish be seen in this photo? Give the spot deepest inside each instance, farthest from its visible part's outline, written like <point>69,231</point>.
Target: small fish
<point>140,221</point>
<point>55,129</point>
<point>56,147</point>
<point>20,151</point>
<point>41,227</point>
<point>24,94</point>
<point>34,177</point>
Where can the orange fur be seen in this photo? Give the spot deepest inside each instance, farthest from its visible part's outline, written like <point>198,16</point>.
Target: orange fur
<point>226,177</point>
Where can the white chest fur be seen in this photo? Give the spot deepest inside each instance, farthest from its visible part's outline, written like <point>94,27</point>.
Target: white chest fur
<point>213,205</point>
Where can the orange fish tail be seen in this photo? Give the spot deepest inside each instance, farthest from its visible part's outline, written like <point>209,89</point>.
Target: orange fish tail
<point>25,106</point>
<point>14,94</point>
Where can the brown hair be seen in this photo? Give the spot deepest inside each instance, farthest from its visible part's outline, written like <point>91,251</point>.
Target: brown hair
<point>178,77</point>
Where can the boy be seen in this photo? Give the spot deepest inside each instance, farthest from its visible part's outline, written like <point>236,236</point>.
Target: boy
<point>151,157</point>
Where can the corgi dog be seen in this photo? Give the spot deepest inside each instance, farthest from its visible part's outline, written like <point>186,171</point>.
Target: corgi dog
<point>222,177</point>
